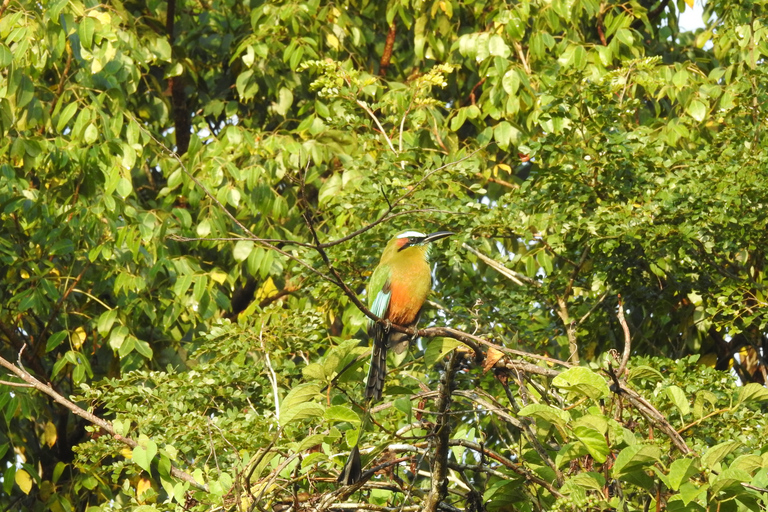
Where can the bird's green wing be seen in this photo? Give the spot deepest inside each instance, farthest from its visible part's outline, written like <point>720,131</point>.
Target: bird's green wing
<point>379,292</point>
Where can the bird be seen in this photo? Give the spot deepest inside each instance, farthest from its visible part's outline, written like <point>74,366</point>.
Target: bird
<point>396,293</point>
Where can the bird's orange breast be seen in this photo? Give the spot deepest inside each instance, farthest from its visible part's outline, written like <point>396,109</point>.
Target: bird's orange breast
<point>410,283</point>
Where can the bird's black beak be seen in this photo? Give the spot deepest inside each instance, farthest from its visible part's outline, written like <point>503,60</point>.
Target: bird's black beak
<point>436,236</point>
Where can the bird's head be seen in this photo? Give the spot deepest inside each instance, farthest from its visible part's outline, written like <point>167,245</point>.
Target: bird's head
<point>407,241</point>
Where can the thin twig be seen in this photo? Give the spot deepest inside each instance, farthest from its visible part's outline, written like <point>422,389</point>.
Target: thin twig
<point>16,384</point>
<point>368,111</point>
<point>517,468</point>
<point>57,306</point>
<point>272,376</point>
<point>627,339</point>
<point>515,277</point>
<point>592,309</point>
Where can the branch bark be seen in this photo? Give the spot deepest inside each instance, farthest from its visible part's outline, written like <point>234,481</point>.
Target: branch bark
<point>439,443</point>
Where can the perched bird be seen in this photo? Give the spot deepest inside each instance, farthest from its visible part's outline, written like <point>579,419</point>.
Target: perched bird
<point>396,292</point>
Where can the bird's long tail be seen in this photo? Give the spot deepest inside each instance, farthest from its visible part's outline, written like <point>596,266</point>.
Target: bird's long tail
<point>353,468</point>
<point>377,371</point>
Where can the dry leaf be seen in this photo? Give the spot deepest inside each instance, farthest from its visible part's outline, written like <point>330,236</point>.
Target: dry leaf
<point>491,358</point>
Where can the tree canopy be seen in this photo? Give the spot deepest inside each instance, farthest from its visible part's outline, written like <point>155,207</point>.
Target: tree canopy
<point>193,195</point>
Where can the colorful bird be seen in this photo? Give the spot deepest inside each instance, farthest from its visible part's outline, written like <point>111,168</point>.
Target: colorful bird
<point>397,291</point>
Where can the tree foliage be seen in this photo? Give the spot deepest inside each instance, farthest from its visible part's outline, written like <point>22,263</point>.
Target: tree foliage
<point>193,195</point>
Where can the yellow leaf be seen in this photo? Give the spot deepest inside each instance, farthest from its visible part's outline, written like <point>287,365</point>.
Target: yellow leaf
<point>332,41</point>
<point>141,487</point>
<point>50,435</point>
<point>127,453</point>
<point>689,3</point>
<point>218,276</point>
<point>24,481</point>
<point>78,337</point>
<point>267,290</point>
<point>24,274</point>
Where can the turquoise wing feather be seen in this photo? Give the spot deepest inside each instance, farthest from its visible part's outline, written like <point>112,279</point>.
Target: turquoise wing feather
<point>379,293</point>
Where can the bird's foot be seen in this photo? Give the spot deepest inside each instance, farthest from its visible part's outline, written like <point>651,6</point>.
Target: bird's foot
<point>387,325</point>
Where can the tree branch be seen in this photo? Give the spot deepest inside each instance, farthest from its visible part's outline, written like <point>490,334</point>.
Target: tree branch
<point>517,468</point>
<point>91,418</point>
<point>439,442</point>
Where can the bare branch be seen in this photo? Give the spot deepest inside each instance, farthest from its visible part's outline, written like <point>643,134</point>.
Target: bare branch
<point>15,384</point>
<point>439,442</point>
<point>627,339</point>
<point>510,274</point>
<point>370,113</point>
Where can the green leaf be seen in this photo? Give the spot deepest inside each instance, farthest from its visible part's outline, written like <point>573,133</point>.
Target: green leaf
<point>729,481</point>
<point>246,87</point>
<point>118,336</point>
<point>85,31</point>
<point>644,372</point>
<point>697,110</point>
<point>690,491</point>
<point>301,394</point>
<point>511,82</point>
<point>284,101</point>
<point>438,348</point>
<point>54,340</point>
<point>105,322</point>
<point>505,134</point>
<point>570,452</point>
<point>590,480</point>
<point>680,471</point>
<point>65,115</point>
<point>497,47</point>
<point>625,36</point>
<point>717,453</point>
<point>330,189</point>
<point>91,134</point>
<point>547,413</point>
<point>749,463</point>
<point>340,413</point>
<point>242,250</point>
<point>404,405</point>
<point>144,453</point>
<point>751,392</point>
<point>633,458</point>
<point>297,412</point>
<point>124,187</point>
<point>678,398</point>
<point>582,381</point>
<point>594,441</point>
